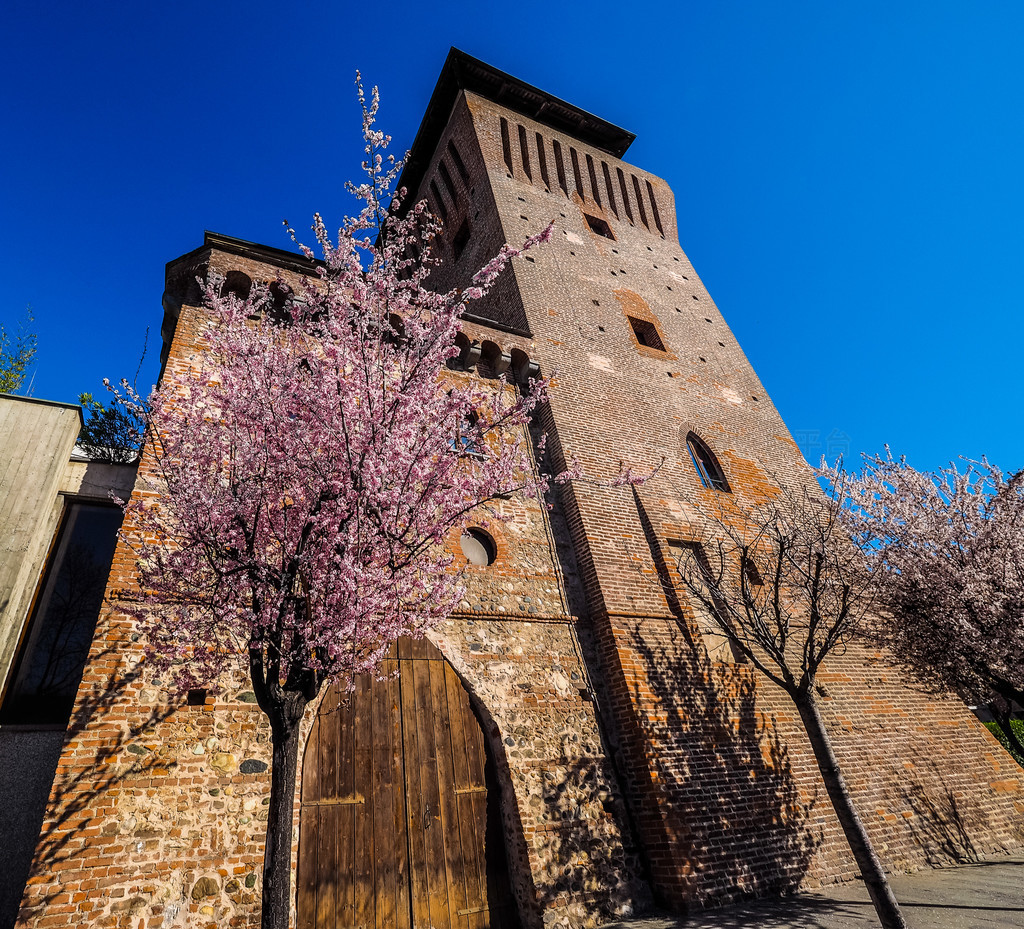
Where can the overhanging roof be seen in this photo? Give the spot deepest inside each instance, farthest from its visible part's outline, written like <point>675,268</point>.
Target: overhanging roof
<point>464,72</point>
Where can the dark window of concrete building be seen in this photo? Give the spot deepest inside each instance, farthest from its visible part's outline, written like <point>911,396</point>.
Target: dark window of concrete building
<point>708,468</point>
<point>646,333</point>
<point>599,226</point>
<point>53,655</point>
<point>461,238</point>
<point>478,547</point>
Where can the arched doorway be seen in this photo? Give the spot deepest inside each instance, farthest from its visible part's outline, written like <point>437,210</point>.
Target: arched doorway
<point>399,826</point>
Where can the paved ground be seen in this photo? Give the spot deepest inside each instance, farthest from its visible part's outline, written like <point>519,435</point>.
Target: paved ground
<point>983,895</point>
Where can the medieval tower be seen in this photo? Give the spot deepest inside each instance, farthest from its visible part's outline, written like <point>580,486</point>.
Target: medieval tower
<point>575,743</point>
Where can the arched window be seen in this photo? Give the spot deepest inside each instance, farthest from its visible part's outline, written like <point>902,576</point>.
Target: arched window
<point>708,468</point>
<point>238,283</point>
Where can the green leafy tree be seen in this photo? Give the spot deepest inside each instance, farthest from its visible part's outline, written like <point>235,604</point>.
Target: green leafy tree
<point>17,351</point>
<point>112,432</point>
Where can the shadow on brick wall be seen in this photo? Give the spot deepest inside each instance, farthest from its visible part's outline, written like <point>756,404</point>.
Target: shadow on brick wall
<point>77,799</point>
<point>733,814</point>
<point>723,779</point>
<point>942,823</point>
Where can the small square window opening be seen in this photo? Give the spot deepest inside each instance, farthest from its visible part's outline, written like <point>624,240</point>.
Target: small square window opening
<point>646,333</point>
<point>599,226</point>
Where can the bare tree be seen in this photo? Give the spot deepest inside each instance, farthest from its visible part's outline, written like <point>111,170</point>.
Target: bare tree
<point>787,588</point>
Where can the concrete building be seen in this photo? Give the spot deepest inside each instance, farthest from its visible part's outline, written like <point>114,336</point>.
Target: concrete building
<point>57,533</point>
<point>573,744</point>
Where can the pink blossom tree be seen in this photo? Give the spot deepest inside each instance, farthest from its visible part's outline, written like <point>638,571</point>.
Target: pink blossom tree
<point>309,470</point>
<point>948,549</point>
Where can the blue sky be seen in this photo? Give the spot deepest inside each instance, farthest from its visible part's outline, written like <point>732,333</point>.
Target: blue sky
<point>848,176</point>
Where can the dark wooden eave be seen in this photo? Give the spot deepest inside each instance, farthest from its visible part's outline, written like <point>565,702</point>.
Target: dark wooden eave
<point>464,72</point>
<point>268,254</point>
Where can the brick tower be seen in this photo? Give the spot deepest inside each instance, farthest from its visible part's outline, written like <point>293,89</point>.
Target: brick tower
<point>647,372</point>
<point>613,750</point>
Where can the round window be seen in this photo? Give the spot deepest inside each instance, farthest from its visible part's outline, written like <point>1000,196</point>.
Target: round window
<point>478,547</point>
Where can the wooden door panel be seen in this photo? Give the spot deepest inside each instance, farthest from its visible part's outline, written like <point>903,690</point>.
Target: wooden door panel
<point>396,827</point>
<point>454,854</point>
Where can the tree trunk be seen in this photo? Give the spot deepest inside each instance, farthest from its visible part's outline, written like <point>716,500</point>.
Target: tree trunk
<point>277,858</point>
<point>886,907</point>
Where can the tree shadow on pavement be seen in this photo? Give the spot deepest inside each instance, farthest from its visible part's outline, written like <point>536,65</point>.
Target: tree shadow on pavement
<point>792,913</point>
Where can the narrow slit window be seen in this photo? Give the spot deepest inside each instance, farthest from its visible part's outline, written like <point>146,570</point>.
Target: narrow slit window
<point>625,195</point>
<point>706,464</point>
<point>646,333</point>
<point>446,179</point>
<point>593,180</point>
<point>610,188</point>
<point>542,161</point>
<point>577,177</point>
<point>524,153</point>
<point>654,208</point>
<point>460,165</point>
<point>439,200</point>
<point>461,238</point>
<point>506,145</point>
<point>640,202</point>
<point>560,166</point>
<point>709,609</point>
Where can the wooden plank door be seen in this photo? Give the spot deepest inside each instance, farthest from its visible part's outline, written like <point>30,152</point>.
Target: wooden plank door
<point>400,827</point>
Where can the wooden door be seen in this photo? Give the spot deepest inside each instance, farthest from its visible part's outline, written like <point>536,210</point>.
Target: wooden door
<point>399,826</point>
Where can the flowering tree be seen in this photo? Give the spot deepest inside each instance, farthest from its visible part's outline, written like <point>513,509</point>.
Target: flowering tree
<point>783,583</point>
<point>308,470</point>
<point>948,548</point>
